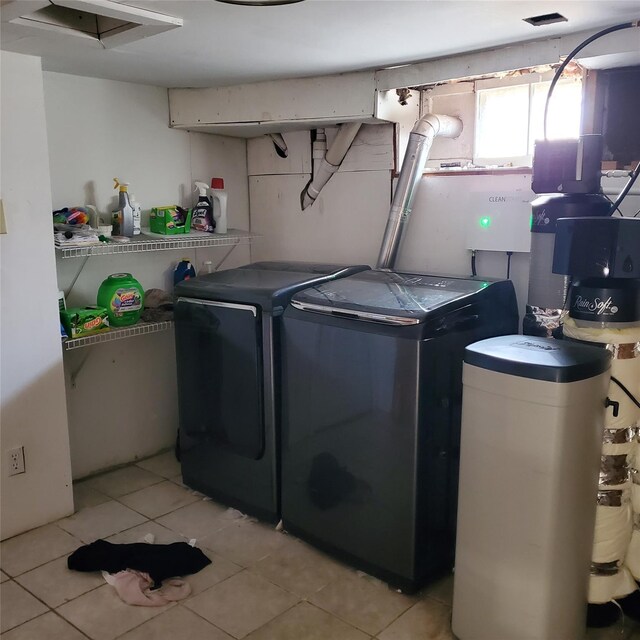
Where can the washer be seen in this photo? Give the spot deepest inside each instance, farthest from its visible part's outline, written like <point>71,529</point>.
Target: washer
<point>227,350</point>
<point>372,390</point>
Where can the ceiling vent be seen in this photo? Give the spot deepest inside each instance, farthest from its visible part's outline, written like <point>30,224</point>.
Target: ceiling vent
<point>545,18</point>
<point>97,23</point>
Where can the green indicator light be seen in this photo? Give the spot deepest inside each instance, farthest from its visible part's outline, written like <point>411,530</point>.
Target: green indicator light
<point>485,222</point>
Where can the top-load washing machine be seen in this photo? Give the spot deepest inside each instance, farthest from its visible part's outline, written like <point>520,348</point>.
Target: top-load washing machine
<point>372,391</point>
<point>227,351</point>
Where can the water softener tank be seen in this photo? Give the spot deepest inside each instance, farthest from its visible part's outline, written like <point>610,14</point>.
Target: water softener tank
<point>532,416</point>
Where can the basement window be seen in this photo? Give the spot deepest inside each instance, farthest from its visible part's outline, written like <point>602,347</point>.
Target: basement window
<point>509,119</point>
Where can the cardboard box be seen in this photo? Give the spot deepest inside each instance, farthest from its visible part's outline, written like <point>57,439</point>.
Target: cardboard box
<point>84,321</point>
<point>170,220</point>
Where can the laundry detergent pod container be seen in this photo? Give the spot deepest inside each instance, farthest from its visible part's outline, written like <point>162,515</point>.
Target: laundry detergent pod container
<point>123,298</point>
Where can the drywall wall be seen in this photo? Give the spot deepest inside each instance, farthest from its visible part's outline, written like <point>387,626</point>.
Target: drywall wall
<point>347,221</point>
<point>122,403</point>
<point>33,413</point>
<point>445,207</point>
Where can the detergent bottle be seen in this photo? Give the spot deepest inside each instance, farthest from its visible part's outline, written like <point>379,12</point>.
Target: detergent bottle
<point>123,298</point>
<point>219,202</point>
<point>124,214</point>
<point>137,215</point>
<point>183,271</point>
<point>202,215</point>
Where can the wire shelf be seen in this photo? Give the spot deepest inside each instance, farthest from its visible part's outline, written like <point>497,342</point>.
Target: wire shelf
<point>156,242</point>
<point>140,329</point>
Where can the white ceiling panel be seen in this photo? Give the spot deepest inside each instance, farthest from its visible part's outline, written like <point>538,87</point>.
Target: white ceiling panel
<point>223,44</point>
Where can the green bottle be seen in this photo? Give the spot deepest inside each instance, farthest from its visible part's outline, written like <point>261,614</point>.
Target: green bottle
<point>123,298</point>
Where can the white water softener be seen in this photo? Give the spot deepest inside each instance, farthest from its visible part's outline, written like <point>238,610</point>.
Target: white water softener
<point>532,416</point>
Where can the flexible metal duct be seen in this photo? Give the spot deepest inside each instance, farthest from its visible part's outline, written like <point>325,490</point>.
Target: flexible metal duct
<point>424,131</point>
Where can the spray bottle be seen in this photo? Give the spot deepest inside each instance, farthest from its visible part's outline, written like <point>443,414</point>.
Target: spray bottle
<point>125,210</point>
<point>202,216</point>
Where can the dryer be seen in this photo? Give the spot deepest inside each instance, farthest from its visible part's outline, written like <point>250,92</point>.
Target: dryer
<point>227,349</point>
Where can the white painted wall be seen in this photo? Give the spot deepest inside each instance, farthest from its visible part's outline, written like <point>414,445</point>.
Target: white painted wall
<point>124,404</point>
<point>32,394</point>
<point>436,237</point>
<point>326,229</point>
<point>347,221</point>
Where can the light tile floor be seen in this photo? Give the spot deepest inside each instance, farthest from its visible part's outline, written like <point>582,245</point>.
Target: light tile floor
<point>261,585</point>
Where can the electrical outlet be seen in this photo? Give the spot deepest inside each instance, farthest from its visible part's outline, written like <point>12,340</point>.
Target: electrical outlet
<point>15,459</point>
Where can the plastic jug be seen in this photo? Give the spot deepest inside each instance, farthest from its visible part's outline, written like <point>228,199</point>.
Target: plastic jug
<point>183,271</point>
<point>219,204</point>
<point>123,298</point>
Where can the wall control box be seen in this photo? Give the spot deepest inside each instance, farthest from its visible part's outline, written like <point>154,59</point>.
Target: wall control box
<point>499,221</point>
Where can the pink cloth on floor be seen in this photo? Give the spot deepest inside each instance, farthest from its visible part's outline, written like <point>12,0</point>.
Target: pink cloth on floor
<point>133,587</point>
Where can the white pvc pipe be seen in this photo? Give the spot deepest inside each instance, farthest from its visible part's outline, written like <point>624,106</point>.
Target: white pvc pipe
<point>279,141</point>
<point>344,139</point>
<point>330,163</point>
<point>318,150</point>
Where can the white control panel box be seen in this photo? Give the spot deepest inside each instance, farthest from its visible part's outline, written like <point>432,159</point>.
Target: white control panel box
<point>499,221</point>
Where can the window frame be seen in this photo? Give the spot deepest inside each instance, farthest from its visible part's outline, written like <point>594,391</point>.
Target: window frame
<point>525,161</point>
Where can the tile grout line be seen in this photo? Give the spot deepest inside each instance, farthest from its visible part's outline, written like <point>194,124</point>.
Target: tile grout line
<point>69,621</point>
<point>62,603</point>
<point>356,627</point>
<point>84,635</point>
<point>116,498</point>
<point>170,607</point>
<point>161,515</point>
<point>180,604</point>
<point>300,600</point>
<point>48,561</point>
<point>274,618</point>
<point>34,596</point>
<point>75,484</point>
<point>401,614</point>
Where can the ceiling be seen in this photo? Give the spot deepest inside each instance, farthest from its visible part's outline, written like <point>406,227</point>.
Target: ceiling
<point>222,44</point>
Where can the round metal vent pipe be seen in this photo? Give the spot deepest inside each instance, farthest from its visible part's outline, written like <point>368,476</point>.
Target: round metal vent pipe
<point>424,131</point>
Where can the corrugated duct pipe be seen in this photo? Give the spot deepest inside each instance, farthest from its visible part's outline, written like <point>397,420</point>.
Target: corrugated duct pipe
<point>330,163</point>
<point>424,131</point>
